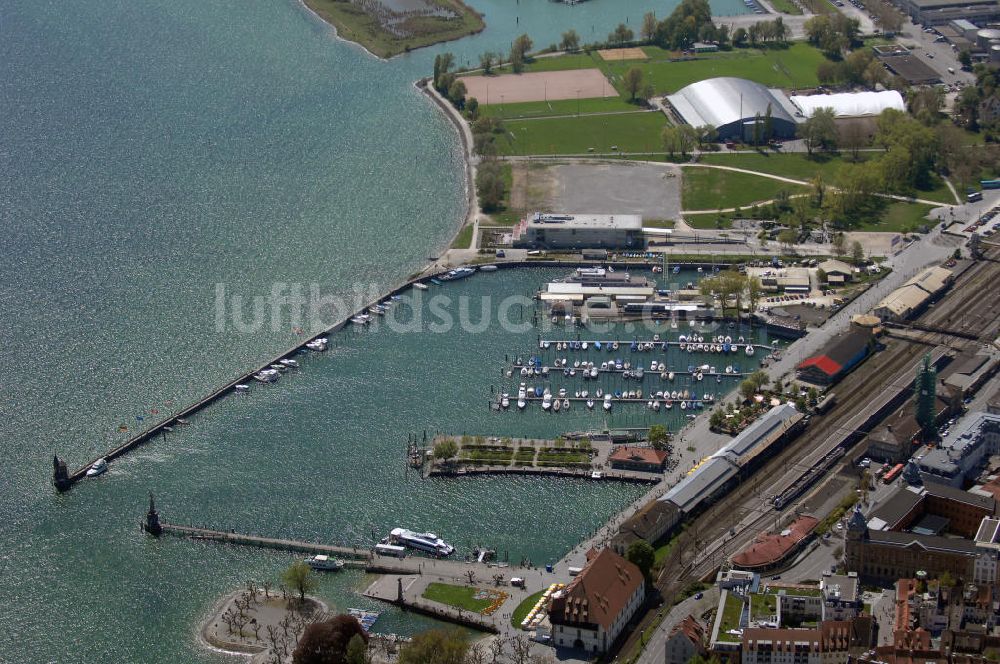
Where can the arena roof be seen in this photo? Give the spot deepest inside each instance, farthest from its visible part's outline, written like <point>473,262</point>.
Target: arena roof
<point>725,100</point>
<point>850,104</point>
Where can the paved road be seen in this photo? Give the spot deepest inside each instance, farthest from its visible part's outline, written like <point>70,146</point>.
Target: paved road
<point>655,652</point>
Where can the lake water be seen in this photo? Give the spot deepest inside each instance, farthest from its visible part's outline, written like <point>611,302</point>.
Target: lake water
<point>151,152</point>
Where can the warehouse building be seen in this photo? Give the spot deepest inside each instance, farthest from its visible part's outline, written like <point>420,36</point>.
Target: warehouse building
<point>733,106</point>
<point>837,359</point>
<point>909,299</point>
<point>579,231</point>
<point>942,12</point>
<point>850,104</point>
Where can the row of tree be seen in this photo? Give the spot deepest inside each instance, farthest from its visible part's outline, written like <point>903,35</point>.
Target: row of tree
<point>732,288</point>
<point>833,33</point>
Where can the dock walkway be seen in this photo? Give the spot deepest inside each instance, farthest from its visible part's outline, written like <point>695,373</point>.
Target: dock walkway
<point>575,473</point>
<point>233,537</point>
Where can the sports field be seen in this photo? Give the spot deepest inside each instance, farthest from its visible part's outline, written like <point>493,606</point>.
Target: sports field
<point>612,54</point>
<point>539,86</point>
<point>628,132</point>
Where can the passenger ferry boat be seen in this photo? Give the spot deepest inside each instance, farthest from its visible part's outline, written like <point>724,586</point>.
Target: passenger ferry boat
<point>427,542</point>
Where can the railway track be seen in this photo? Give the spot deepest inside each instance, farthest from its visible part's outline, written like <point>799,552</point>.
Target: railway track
<point>967,307</point>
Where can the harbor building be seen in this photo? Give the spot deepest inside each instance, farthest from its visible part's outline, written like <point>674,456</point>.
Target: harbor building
<point>837,359</point>
<point>595,607</point>
<point>579,231</point>
<point>644,459</point>
<point>733,106</point>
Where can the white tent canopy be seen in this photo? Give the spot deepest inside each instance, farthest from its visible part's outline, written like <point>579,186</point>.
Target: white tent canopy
<point>850,104</point>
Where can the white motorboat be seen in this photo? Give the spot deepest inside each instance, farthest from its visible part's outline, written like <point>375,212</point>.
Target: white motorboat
<point>318,345</point>
<point>593,372</point>
<point>749,350</point>
<point>565,404</point>
<point>590,404</point>
<point>521,403</point>
<point>242,387</point>
<point>324,563</point>
<point>670,376</point>
<point>668,404</point>
<point>546,402</point>
<point>420,286</point>
<point>488,268</point>
<point>607,402</point>
<point>100,466</point>
<point>683,405</point>
<point>599,393</point>
<point>656,405</point>
<point>505,401</point>
<point>457,273</point>
<point>290,363</point>
<point>267,375</point>
<point>562,392</point>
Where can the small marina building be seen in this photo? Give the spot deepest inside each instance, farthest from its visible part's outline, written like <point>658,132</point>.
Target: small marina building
<point>579,231</point>
<point>595,607</point>
<point>837,272</point>
<point>644,459</point>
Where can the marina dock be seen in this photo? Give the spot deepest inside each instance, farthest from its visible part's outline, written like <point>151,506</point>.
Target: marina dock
<point>555,371</point>
<point>626,345</point>
<point>572,473</point>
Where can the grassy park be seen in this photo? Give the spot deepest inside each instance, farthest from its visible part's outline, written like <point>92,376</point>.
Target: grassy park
<point>524,607</point>
<point>632,132</point>
<point>712,188</point>
<point>801,166</point>
<point>462,597</point>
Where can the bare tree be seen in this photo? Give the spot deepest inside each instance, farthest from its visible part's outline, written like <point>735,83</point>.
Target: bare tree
<point>496,650</point>
<point>266,586</point>
<point>472,576</point>
<point>522,650</point>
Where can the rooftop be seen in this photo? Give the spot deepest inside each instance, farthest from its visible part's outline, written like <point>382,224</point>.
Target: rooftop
<point>850,105</point>
<point>761,433</point>
<point>703,482</point>
<point>725,100</point>
<point>769,548</point>
<point>639,454</point>
<point>599,594</point>
<point>933,279</point>
<point>903,300</point>
<point>589,221</point>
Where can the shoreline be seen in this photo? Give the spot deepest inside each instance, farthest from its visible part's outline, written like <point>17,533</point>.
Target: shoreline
<point>470,11</point>
<point>248,651</point>
<point>471,162</point>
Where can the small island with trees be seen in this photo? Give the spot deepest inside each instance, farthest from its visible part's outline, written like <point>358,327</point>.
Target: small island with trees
<point>389,27</point>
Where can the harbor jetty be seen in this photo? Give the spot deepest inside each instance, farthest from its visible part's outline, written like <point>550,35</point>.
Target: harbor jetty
<point>63,479</point>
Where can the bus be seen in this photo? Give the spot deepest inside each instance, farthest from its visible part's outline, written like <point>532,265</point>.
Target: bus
<point>989,184</point>
<point>892,474</point>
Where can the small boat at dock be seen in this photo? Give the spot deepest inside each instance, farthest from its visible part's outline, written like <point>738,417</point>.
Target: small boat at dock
<point>420,286</point>
<point>488,268</point>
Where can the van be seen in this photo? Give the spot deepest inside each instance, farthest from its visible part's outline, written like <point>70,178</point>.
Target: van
<point>517,582</point>
<point>974,197</point>
<point>951,70</point>
<point>573,571</point>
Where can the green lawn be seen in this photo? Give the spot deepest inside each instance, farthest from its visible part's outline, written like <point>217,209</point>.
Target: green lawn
<point>786,6</point>
<point>712,188</point>
<point>763,606</point>
<point>463,239</point>
<point>796,165</point>
<point>462,597</point>
<point>730,617</point>
<point>632,132</point>
<point>899,217</point>
<point>794,67</point>
<point>522,609</point>
<point>541,109</point>
<point>800,166</point>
